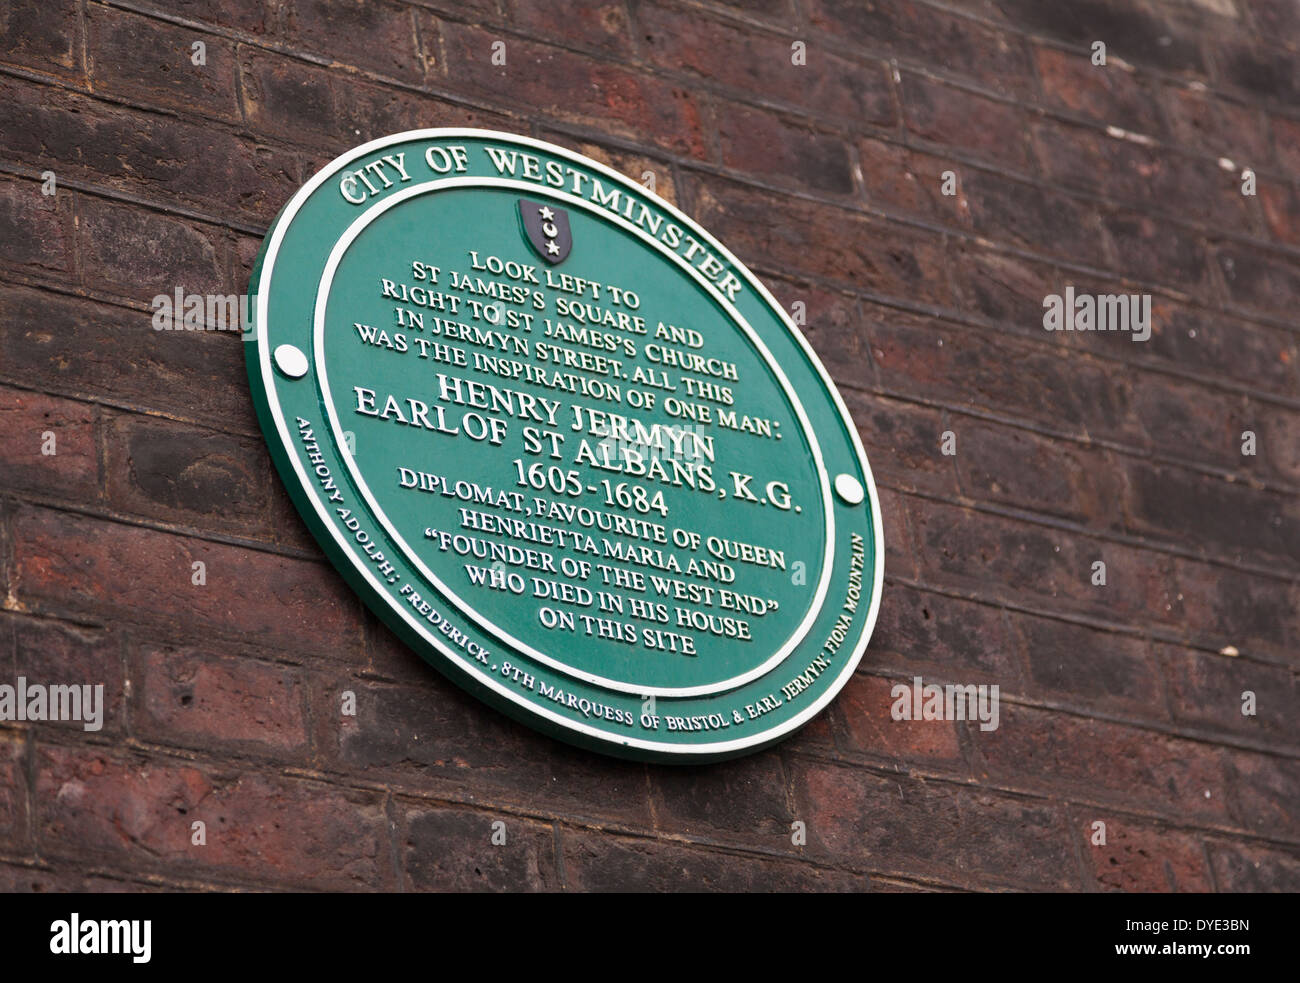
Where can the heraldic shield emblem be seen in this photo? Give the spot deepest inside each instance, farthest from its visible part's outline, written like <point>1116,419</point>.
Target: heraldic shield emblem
<point>547,230</point>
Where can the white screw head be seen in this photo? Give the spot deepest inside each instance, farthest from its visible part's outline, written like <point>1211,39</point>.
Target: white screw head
<point>291,361</point>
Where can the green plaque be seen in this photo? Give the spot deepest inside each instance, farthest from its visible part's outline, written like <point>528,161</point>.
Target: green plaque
<point>565,444</point>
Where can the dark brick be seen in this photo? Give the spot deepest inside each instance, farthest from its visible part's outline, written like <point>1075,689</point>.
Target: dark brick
<point>133,253</point>
<point>1051,476</point>
<point>1202,122</point>
<point>1131,31</point>
<point>1253,613</point>
<point>33,228</point>
<point>760,65</point>
<point>194,476</point>
<point>441,738</point>
<point>1220,344</point>
<point>13,790</point>
<point>1248,525</point>
<point>1243,868</point>
<point>1255,278</point>
<point>399,41</point>
<point>1207,691</point>
<point>1146,249</point>
<point>151,61</point>
<point>1264,791</point>
<point>54,653</point>
<point>739,803</point>
<point>903,443</point>
<point>927,34</point>
<point>120,357</point>
<point>1268,74</point>
<point>783,152</point>
<point>145,154</point>
<point>919,632</point>
<point>603,863</point>
<point>1000,557</point>
<point>837,243</point>
<point>1096,671</point>
<point>43,34</point>
<point>34,423</point>
<point>448,849</point>
<point>246,15</point>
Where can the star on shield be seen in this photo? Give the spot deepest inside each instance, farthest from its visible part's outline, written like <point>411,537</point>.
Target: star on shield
<point>547,230</point>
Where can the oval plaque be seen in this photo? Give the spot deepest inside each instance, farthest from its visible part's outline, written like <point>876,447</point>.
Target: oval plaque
<point>565,445</point>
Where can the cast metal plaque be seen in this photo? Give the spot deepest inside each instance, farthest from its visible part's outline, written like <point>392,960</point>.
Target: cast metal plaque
<point>565,445</point>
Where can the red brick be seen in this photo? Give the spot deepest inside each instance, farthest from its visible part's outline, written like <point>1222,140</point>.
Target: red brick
<point>253,16</point>
<point>869,728</point>
<point>70,561</point>
<point>963,121</point>
<point>1047,752</point>
<point>599,24</point>
<point>1106,93</point>
<point>906,182</point>
<point>150,61</point>
<point>1145,249</point>
<point>33,423</point>
<point>617,100</point>
<point>194,698</point>
<point>1141,858</point>
<point>900,555</point>
<point>932,829</point>
<point>139,811</point>
<point>631,165</point>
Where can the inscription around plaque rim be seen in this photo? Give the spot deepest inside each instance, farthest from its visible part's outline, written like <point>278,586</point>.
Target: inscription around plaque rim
<point>565,444</point>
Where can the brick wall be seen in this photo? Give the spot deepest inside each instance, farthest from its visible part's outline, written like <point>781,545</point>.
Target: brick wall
<point>1120,704</point>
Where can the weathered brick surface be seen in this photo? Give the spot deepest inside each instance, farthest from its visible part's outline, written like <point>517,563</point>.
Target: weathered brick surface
<point>1120,703</point>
